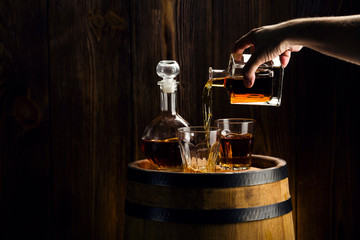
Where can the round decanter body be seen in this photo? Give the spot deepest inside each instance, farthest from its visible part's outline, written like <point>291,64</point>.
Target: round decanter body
<point>159,142</point>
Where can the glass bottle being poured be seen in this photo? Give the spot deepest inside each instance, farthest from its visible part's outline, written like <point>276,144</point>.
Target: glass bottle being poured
<point>159,141</point>
<point>266,91</point>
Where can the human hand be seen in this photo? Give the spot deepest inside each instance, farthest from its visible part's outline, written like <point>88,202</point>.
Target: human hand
<point>269,42</point>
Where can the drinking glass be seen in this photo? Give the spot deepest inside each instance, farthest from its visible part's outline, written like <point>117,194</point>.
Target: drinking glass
<point>199,148</point>
<point>236,143</point>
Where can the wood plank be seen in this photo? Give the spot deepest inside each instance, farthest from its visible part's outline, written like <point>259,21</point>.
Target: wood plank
<point>272,228</point>
<point>314,147</point>
<point>25,183</point>
<point>326,151</point>
<point>72,120</point>
<point>91,112</point>
<point>329,149</point>
<point>227,198</point>
<point>112,113</point>
<point>147,49</point>
<point>345,180</point>
<point>194,46</point>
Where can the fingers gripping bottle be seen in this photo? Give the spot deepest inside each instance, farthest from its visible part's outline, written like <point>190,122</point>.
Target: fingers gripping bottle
<point>159,141</point>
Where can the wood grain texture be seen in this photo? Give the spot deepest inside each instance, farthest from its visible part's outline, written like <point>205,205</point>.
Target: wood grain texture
<point>273,228</point>
<point>25,169</point>
<point>207,198</point>
<point>146,19</point>
<point>202,200</point>
<point>91,115</point>
<point>326,149</point>
<point>194,45</point>
<point>78,86</point>
<point>112,92</point>
<point>72,126</point>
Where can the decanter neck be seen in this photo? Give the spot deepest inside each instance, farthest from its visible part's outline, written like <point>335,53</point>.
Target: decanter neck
<point>168,102</point>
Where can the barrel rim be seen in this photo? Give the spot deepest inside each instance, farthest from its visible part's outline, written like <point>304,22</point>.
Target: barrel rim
<point>211,180</point>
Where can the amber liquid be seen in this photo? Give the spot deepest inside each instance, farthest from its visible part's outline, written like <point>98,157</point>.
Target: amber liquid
<point>164,154</point>
<point>235,151</point>
<point>238,93</point>
<point>260,92</point>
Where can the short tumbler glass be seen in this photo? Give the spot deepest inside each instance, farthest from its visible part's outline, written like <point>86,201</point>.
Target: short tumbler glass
<point>199,148</point>
<point>237,142</point>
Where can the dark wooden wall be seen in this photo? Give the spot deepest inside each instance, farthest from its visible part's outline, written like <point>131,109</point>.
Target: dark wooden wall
<point>78,86</point>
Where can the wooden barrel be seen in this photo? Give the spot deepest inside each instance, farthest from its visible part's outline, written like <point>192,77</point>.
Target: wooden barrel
<point>252,204</point>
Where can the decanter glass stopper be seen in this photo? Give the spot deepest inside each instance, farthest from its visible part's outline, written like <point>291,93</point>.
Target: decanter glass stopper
<point>168,69</point>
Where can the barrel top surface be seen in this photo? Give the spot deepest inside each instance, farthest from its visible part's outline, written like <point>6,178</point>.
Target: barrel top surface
<point>265,169</point>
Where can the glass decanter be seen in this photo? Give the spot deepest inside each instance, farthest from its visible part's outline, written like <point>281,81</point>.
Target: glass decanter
<point>159,141</point>
<point>266,91</point>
